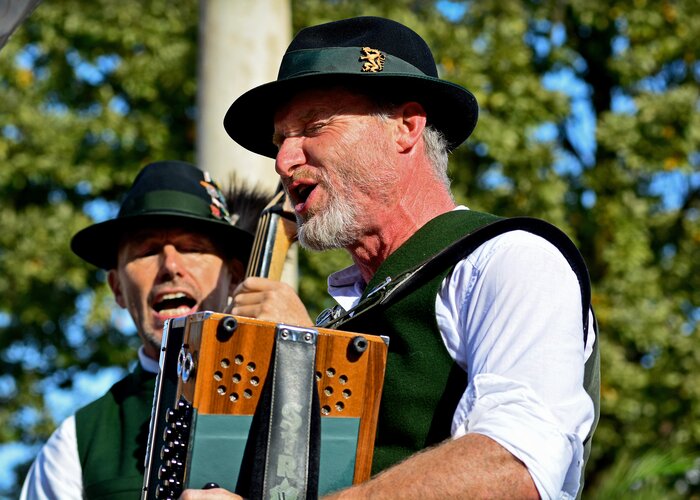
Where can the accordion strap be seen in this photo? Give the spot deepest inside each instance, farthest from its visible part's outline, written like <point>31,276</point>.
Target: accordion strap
<point>290,467</point>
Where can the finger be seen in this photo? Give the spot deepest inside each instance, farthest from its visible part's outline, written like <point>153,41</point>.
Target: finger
<point>254,284</point>
<point>292,314</point>
<point>209,494</point>
<point>250,298</point>
<point>252,311</point>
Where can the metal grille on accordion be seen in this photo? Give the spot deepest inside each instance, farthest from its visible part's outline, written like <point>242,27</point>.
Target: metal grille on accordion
<point>266,410</point>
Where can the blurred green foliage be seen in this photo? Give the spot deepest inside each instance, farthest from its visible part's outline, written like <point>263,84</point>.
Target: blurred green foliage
<point>589,119</point>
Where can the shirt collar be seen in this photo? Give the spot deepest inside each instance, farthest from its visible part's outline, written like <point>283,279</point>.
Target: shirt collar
<point>346,286</point>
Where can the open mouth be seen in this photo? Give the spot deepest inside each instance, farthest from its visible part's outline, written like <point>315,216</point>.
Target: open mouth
<point>303,192</point>
<point>174,304</point>
<point>300,194</point>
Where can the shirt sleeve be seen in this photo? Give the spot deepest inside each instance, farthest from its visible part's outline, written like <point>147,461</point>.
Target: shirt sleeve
<point>56,472</point>
<point>510,314</point>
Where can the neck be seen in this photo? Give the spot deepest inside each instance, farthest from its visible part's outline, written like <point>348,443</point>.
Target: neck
<point>151,351</point>
<point>392,225</point>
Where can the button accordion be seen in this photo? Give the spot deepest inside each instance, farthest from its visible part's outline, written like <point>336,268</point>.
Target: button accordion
<point>262,409</point>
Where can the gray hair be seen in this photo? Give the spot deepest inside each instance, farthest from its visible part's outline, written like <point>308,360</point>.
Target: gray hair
<point>436,148</point>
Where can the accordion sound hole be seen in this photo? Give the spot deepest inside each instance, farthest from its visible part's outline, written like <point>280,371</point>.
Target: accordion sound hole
<point>334,391</point>
<point>241,373</point>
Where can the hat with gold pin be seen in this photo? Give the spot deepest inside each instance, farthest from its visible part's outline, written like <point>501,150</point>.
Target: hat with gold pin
<point>372,54</point>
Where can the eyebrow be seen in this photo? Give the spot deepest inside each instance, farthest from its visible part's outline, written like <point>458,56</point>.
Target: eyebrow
<point>310,115</point>
<point>277,138</point>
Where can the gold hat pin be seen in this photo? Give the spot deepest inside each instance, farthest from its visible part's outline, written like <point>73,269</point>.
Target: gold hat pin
<point>374,60</point>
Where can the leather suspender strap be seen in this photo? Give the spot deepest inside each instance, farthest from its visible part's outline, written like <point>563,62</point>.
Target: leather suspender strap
<point>393,288</point>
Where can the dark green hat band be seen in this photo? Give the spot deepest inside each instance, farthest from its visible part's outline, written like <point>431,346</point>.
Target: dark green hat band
<point>343,60</point>
<point>167,202</point>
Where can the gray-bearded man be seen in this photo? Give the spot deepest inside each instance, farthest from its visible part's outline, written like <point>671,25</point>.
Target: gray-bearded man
<point>493,378</point>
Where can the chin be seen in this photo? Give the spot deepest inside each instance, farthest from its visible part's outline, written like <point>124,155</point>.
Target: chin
<point>154,342</point>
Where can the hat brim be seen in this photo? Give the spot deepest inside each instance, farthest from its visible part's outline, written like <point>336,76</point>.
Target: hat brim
<point>452,109</point>
<point>99,244</point>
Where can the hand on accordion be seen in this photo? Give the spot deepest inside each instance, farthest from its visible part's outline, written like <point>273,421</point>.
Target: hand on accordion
<point>269,300</point>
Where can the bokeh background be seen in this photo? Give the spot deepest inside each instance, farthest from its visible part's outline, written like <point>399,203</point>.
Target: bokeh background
<point>589,119</point>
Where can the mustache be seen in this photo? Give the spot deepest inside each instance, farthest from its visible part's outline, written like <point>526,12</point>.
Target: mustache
<point>316,176</point>
<point>307,173</point>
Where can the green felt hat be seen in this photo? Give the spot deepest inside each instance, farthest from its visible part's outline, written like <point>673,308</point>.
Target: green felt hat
<point>165,193</point>
<point>372,54</point>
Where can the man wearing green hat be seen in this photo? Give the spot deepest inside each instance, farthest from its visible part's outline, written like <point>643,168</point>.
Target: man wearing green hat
<point>174,248</point>
<point>492,380</point>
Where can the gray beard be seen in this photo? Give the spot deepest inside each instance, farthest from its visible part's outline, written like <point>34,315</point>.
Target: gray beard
<point>335,227</point>
<point>340,224</point>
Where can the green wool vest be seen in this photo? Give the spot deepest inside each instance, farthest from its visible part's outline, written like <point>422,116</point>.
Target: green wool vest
<point>112,433</point>
<point>423,384</point>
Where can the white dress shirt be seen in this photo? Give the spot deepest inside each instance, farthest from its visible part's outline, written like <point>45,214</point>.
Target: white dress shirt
<point>56,473</point>
<point>510,315</point>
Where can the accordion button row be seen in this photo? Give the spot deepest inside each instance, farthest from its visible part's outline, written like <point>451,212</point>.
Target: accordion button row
<point>173,453</point>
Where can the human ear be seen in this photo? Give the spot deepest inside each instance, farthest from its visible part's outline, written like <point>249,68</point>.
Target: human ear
<point>115,285</point>
<point>412,120</point>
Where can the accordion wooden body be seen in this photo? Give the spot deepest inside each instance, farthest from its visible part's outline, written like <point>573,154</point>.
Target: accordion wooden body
<point>227,384</point>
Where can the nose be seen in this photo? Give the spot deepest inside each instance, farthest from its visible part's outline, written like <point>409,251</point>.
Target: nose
<point>289,156</point>
<point>171,264</point>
